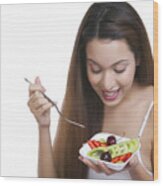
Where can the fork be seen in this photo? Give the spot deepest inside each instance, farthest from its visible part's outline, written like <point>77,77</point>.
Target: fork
<point>59,112</point>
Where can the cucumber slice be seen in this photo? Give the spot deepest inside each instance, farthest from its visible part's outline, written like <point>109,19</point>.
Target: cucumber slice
<point>96,153</point>
<point>102,140</point>
<point>116,149</point>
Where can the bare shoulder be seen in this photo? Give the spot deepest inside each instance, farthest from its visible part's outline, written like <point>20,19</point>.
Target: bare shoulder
<point>145,94</point>
<point>149,91</point>
<point>150,125</point>
<point>143,91</point>
<point>149,96</point>
<point>148,134</point>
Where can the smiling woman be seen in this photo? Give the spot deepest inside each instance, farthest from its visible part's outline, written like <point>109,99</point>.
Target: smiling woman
<point>113,76</point>
<point>109,89</point>
<point>111,71</point>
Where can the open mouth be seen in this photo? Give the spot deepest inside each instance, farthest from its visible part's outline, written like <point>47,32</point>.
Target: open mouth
<point>110,95</point>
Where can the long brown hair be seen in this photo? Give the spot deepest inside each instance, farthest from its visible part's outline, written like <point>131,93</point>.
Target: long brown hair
<point>116,20</point>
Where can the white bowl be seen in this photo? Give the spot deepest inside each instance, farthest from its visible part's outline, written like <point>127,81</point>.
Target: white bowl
<point>115,166</point>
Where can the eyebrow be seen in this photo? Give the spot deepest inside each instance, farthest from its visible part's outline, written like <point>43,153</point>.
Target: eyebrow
<point>116,63</point>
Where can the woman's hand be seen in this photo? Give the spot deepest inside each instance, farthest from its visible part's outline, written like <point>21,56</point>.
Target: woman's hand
<point>101,167</point>
<point>38,104</point>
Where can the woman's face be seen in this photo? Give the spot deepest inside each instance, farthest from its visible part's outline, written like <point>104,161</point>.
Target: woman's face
<point>111,69</point>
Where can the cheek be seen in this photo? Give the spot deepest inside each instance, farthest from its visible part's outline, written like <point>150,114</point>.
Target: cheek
<point>128,77</point>
<point>93,79</point>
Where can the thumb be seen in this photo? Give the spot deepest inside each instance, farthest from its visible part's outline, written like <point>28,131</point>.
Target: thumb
<point>38,82</point>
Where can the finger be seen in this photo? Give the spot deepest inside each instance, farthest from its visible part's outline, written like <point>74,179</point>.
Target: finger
<point>33,88</point>
<point>40,102</point>
<point>35,96</point>
<point>89,164</point>
<point>36,100</point>
<point>105,169</point>
<point>38,82</point>
<point>44,108</point>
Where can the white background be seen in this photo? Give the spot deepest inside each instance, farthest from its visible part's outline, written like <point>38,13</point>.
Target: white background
<point>36,39</point>
<point>54,181</point>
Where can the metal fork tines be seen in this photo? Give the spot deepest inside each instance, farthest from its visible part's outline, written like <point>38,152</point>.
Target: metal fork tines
<point>68,120</point>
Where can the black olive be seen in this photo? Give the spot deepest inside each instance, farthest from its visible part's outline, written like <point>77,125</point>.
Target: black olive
<point>111,140</point>
<point>106,156</point>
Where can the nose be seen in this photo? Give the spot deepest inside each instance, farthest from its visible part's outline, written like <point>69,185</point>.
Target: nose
<point>108,81</point>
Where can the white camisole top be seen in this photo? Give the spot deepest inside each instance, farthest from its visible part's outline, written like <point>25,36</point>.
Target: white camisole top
<point>124,175</point>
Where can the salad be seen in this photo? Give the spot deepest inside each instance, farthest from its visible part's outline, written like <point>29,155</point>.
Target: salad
<point>109,150</point>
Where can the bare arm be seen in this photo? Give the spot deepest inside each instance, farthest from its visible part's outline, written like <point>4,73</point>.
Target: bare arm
<point>45,160</point>
<point>138,172</point>
<point>40,108</point>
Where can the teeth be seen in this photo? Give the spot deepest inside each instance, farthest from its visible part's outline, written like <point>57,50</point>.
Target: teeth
<point>110,93</point>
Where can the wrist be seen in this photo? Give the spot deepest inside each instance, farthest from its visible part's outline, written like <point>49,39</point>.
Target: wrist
<point>44,125</point>
<point>43,128</point>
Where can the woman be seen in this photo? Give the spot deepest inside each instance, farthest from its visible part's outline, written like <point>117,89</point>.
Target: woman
<point>110,88</point>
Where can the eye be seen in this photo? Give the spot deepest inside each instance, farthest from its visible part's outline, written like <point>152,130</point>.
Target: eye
<point>95,69</point>
<point>119,70</point>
